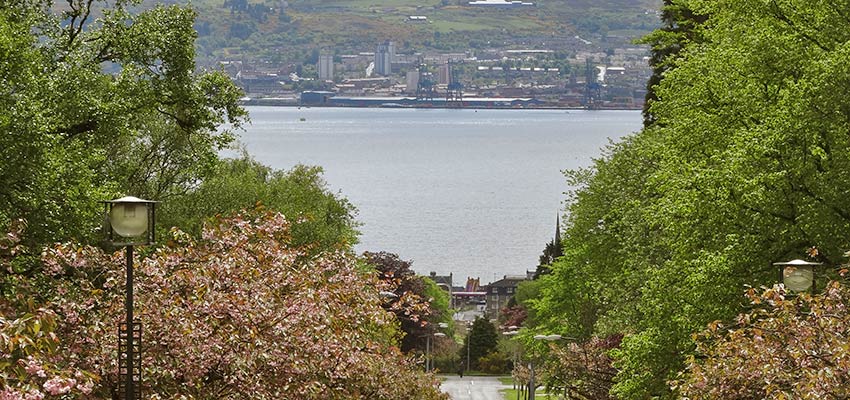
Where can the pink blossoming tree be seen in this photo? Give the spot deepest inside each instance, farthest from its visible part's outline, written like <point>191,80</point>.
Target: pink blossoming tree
<point>31,367</point>
<point>236,314</point>
<point>783,348</point>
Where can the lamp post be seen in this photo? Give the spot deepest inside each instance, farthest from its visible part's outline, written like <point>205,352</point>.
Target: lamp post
<point>531,385</point>
<point>513,332</point>
<point>468,342</point>
<point>429,363</point>
<point>130,222</point>
<point>797,275</point>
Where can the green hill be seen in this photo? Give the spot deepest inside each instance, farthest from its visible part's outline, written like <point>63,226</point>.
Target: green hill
<point>290,30</point>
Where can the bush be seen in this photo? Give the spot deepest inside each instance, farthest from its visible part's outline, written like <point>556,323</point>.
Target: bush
<point>447,363</point>
<point>495,363</point>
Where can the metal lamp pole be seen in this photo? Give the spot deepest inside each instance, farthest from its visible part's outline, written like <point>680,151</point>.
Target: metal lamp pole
<point>129,331</point>
<point>467,352</point>
<point>428,353</point>
<point>429,362</point>
<point>130,221</point>
<point>513,332</point>
<point>549,338</point>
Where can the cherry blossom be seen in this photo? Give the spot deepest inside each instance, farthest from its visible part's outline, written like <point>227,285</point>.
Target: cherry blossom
<point>784,347</point>
<point>238,313</point>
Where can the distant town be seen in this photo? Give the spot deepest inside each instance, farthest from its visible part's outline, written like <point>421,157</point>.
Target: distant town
<point>474,300</point>
<point>490,78</point>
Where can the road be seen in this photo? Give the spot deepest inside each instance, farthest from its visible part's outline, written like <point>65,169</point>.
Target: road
<point>472,387</point>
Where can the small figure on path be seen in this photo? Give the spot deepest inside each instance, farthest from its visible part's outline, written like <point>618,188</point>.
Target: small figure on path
<point>460,369</point>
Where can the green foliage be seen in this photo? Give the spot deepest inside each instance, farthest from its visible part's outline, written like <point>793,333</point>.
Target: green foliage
<point>447,362</point>
<point>496,363</point>
<point>439,300</point>
<point>519,311</point>
<point>72,134</point>
<point>481,341</point>
<point>743,165</point>
<point>327,219</point>
<point>681,28</point>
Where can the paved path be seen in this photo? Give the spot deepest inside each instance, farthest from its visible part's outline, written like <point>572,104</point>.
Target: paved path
<point>472,387</point>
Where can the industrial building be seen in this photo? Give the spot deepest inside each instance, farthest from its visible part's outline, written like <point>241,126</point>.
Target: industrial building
<point>384,56</point>
<point>325,66</point>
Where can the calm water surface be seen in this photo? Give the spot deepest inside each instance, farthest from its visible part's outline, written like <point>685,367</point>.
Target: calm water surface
<point>473,192</point>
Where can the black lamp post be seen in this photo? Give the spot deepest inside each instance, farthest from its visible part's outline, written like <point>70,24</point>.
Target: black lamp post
<point>798,275</point>
<point>130,222</point>
<point>512,331</point>
<point>532,385</point>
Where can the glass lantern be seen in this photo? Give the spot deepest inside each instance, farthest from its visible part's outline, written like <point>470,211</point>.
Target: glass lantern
<point>798,275</point>
<point>130,221</point>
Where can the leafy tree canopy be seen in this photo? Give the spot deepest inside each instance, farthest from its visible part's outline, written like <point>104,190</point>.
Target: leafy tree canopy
<point>91,109</point>
<point>327,219</point>
<point>481,341</point>
<point>785,347</point>
<point>743,165</point>
<point>237,313</point>
<point>411,293</point>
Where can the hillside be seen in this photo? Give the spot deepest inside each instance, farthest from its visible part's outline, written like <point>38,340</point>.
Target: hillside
<point>278,30</point>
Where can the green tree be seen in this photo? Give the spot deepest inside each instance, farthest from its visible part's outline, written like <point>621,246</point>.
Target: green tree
<point>743,166</point>
<point>680,28</point>
<point>325,220</point>
<point>481,341</point>
<point>411,292</point>
<point>93,109</point>
<point>551,252</point>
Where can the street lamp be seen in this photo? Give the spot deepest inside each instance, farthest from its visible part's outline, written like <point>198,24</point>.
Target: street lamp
<point>549,338</point>
<point>513,332</point>
<point>798,275</point>
<point>429,363</point>
<point>130,221</point>
<point>468,340</point>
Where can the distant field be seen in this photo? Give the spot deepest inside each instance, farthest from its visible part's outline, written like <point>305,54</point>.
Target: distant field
<point>364,4</point>
<point>346,25</point>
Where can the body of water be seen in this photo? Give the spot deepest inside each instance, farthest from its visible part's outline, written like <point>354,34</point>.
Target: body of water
<point>471,192</point>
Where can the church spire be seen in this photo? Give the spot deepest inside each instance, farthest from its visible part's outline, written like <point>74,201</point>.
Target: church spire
<point>557,229</point>
<point>559,249</point>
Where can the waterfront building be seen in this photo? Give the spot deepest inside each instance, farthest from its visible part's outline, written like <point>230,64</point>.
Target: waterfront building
<point>384,56</point>
<point>444,74</point>
<point>325,67</point>
<point>412,81</point>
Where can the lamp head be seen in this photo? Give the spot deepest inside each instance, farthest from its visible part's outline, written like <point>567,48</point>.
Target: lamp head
<point>798,275</point>
<point>131,219</point>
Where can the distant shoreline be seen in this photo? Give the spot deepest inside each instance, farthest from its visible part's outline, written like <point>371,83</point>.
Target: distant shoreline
<point>270,102</point>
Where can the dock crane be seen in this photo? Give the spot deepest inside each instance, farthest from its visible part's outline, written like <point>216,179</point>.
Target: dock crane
<point>592,88</point>
<point>425,87</point>
<point>454,90</point>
